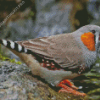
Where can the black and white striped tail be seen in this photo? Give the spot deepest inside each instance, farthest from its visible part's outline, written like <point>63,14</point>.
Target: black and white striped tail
<point>15,46</point>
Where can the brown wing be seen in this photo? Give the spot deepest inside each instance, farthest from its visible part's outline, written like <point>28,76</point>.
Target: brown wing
<point>63,49</point>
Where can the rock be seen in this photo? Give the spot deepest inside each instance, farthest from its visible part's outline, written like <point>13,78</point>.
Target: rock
<point>20,84</point>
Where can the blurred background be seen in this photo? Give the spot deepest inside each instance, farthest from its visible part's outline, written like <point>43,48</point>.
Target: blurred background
<point>38,18</point>
<point>29,19</point>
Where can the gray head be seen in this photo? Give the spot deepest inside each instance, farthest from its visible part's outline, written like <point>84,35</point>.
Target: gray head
<point>95,30</point>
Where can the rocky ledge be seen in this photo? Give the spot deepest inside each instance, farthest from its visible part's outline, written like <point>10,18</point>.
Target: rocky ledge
<point>17,83</point>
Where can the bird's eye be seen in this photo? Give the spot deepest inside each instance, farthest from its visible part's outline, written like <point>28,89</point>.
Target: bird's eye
<point>93,31</point>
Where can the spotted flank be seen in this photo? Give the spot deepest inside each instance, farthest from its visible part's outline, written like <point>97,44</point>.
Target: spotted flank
<point>13,45</point>
<point>50,65</point>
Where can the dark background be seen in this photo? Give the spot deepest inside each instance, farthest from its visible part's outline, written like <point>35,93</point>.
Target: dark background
<point>38,18</point>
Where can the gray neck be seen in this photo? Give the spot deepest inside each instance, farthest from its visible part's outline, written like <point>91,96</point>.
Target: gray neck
<point>89,56</point>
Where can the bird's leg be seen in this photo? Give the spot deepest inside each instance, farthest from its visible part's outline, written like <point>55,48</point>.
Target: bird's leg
<point>67,89</point>
<point>69,83</point>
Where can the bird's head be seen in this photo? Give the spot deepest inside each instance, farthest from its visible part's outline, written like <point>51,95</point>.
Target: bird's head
<point>90,36</point>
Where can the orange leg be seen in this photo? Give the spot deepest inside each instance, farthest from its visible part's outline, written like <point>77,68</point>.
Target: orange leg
<point>69,83</point>
<point>69,89</point>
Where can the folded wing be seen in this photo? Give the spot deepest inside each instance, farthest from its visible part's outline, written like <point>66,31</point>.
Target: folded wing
<point>62,49</point>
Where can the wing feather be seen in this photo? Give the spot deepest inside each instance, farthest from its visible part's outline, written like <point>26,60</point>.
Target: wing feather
<point>63,49</point>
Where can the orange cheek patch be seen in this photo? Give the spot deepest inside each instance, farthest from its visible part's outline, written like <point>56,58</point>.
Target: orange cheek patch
<point>88,40</point>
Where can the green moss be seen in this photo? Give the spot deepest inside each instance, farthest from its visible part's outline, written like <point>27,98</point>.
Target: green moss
<point>31,14</point>
<point>94,91</point>
<point>3,58</point>
<point>89,74</point>
<point>98,60</point>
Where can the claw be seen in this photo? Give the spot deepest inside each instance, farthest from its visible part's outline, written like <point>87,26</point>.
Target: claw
<point>72,89</point>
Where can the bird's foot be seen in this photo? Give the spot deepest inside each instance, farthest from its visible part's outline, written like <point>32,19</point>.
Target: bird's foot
<point>71,89</point>
<point>69,84</point>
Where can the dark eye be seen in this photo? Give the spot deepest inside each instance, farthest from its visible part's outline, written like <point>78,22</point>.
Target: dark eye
<point>93,31</point>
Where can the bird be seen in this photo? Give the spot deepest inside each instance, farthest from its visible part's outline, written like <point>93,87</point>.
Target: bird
<point>60,58</point>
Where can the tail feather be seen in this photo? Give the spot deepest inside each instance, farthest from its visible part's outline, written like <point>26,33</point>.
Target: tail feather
<point>19,48</point>
<point>15,46</point>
